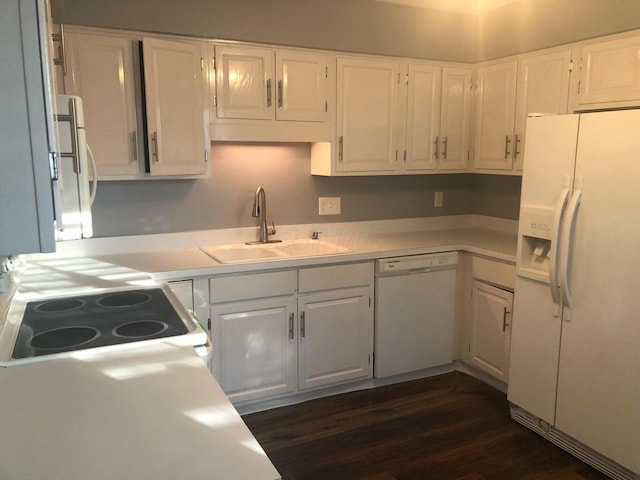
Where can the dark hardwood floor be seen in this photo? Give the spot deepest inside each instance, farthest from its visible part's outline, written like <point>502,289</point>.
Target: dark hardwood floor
<point>447,427</point>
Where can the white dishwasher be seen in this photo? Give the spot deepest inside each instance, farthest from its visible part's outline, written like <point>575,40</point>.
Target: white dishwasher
<point>414,312</point>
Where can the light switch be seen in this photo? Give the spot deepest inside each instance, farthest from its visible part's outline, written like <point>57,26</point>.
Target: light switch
<point>438,199</point>
<point>329,206</point>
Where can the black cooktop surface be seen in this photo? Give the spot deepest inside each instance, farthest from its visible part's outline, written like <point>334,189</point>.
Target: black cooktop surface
<point>88,321</point>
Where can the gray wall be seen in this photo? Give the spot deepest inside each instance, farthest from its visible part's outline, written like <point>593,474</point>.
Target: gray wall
<point>349,25</point>
<point>225,199</point>
<point>530,25</point>
<point>364,25</point>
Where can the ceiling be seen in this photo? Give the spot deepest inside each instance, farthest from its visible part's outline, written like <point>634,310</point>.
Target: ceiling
<point>471,7</point>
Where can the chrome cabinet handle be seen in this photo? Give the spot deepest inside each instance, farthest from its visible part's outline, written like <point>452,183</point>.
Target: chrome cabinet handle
<point>340,148</point>
<point>507,141</point>
<point>445,144</point>
<point>154,146</point>
<point>269,93</point>
<point>61,59</point>
<point>134,146</point>
<point>280,93</point>
<point>75,146</point>
<point>436,151</point>
<point>302,325</point>
<point>504,319</point>
<point>516,152</point>
<point>291,326</point>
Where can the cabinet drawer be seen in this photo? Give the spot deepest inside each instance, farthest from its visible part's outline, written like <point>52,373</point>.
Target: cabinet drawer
<point>335,276</point>
<point>256,285</point>
<point>491,271</point>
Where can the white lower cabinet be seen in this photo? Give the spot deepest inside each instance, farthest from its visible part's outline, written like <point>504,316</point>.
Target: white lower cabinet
<point>279,332</point>
<point>256,347</point>
<point>491,329</point>
<point>335,331</point>
<point>488,291</point>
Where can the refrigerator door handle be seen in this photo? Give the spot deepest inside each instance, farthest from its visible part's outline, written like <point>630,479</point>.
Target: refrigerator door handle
<point>572,210</point>
<point>555,237</point>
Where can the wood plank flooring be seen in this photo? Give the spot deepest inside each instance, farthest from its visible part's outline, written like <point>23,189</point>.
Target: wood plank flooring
<point>441,428</point>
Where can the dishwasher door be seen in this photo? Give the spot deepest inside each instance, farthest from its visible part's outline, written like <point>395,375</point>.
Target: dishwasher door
<point>414,313</point>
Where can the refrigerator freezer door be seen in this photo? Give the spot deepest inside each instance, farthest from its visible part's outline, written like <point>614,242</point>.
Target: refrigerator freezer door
<point>536,329</point>
<point>598,400</point>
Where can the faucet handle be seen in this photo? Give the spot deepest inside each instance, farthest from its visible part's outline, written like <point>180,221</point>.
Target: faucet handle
<point>272,230</point>
<point>315,235</point>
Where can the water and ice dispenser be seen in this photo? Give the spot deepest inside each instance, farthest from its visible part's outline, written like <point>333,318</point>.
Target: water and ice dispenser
<point>534,249</point>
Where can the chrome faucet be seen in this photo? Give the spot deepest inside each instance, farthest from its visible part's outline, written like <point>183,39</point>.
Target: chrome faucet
<point>260,211</point>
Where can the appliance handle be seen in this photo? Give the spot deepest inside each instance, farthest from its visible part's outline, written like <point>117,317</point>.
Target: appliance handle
<point>572,210</point>
<point>555,237</point>
<point>94,180</point>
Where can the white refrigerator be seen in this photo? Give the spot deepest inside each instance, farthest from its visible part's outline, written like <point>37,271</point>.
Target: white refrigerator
<point>574,374</point>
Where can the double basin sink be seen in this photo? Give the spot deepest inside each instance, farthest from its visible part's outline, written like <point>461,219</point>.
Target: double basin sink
<point>241,253</point>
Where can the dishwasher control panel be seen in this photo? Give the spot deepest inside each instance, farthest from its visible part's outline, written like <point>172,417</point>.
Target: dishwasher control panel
<point>416,263</point>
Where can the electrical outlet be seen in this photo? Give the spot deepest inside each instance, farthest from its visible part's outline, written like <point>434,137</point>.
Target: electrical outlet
<point>329,206</point>
<point>438,199</point>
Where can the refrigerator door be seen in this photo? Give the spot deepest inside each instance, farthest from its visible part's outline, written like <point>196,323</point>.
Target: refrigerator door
<point>598,399</point>
<point>535,334</point>
<point>73,171</point>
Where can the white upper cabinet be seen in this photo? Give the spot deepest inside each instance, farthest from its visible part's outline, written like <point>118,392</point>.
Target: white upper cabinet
<point>610,72</point>
<point>367,115</point>
<point>397,118</point>
<point>262,94</point>
<point>101,72</point>
<point>301,86</point>
<point>495,110</point>
<point>423,117</point>
<point>455,118</point>
<point>103,68</point>
<point>507,92</point>
<point>244,82</point>
<point>438,112</point>
<point>543,87</point>
<point>174,86</point>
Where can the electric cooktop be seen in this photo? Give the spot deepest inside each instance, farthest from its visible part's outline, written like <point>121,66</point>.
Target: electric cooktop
<point>97,320</point>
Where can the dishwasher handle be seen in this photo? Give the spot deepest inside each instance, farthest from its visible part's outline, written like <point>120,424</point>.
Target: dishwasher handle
<point>416,264</point>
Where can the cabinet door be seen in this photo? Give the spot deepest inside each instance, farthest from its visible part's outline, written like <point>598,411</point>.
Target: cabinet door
<point>543,87</point>
<point>455,119</point>
<point>367,115</point>
<point>255,348</point>
<point>495,111</point>
<point>301,88</point>
<point>101,72</point>
<point>610,71</point>
<point>26,203</point>
<point>174,80</point>
<point>423,118</point>
<point>335,337</point>
<point>244,82</point>
<point>490,337</point>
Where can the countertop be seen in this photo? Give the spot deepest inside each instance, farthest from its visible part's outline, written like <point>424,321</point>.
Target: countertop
<point>115,417</point>
<point>193,262</point>
<point>158,413</point>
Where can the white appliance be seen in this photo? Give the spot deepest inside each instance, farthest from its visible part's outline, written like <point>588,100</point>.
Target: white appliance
<point>71,172</point>
<point>414,313</point>
<point>575,341</point>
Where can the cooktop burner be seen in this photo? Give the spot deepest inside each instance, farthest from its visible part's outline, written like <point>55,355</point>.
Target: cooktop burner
<point>76,323</point>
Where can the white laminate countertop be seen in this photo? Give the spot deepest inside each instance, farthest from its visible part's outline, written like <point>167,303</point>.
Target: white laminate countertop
<point>193,262</point>
<point>116,417</point>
